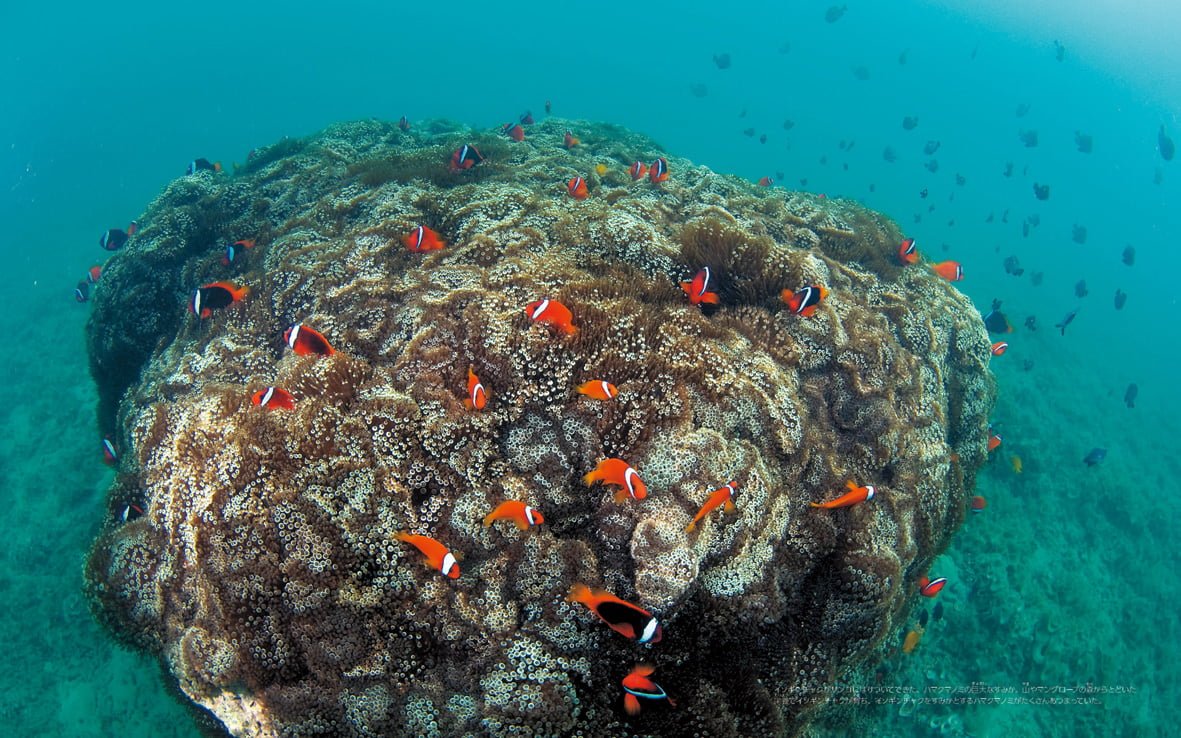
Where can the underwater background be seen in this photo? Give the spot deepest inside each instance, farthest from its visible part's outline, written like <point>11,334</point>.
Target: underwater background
<point>1066,578</point>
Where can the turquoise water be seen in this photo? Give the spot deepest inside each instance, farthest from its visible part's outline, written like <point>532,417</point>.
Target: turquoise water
<point>1065,578</point>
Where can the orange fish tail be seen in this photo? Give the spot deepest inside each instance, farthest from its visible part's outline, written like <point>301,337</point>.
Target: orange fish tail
<point>692,526</point>
<point>591,477</point>
<point>580,593</point>
<point>710,297</point>
<point>622,494</point>
<point>631,705</point>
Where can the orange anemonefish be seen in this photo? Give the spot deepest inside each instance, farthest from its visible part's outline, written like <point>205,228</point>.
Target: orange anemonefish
<point>931,587</point>
<point>81,291</point>
<point>570,140</point>
<point>697,290</point>
<point>577,188</point>
<point>526,118</point>
<point>215,296</point>
<point>599,389</point>
<point>477,396</point>
<point>994,441</point>
<point>766,182</point>
<point>115,238</point>
<point>618,472</point>
<point>94,274</point>
<point>438,557</point>
<point>637,686</point>
<point>658,171</point>
<point>305,341</point>
<point>521,514</point>
<point>110,455</point>
<point>638,170</point>
<point>721,497</point>
<point>908,252</point>
<point>274,398</point>
<point>232,250</point>
<point>514,131</point>
<point>854,496</point>
<point>805,301</point>
<point>130,512</point>
<point>999,348</point>
<point>404,123</point>
<point>977,503</point>
<point>949,270</point>
<point>624,618</point>
<point>423,239</point>
<point>465,157</point>
<point>552,312</point>
<point>203,165</point>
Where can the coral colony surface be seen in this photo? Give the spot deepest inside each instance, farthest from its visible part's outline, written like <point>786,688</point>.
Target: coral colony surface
<point>265,570</point>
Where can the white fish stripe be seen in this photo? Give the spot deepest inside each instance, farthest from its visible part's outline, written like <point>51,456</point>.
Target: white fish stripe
<point>529,515</point>
<point>607,389</point>
<point>197,302</point>
<point>267,397</point>
<point>649,631</point>
<point>627,479</point>
<point>540,309</point>
<point>870,491</point>
<point>476,392</point>
<point>110,448</point>
<point>448,564</point>
<point>294,336</point>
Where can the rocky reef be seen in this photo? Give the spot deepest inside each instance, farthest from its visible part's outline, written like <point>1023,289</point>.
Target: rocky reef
<point>264,571</point>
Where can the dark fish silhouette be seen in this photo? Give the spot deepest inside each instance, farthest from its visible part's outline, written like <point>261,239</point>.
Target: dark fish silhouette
<point>1031,322</point>
<point>1083,141</point>
<point>1130,395</point>
<point>1129,257</point>
<point>1059,51</point>
<point>889,155</point>
<point>937,612</point>
<point>931,147</point>
<point>923,615</point>
<point>1036,279</point>
<point>1078,234</point>
<point>697,89</point>
<point>1027,365</point>
<point>909,122</point>
<point>1041,191</point>
<point>995,321</point>
<point>932,166</point>
<point>960,179</point>
<point>834,13</point>
<point>1029,138</point>
<point>1066,321</point>
<point>1120,298</point>
<point>1080,288</point>
<point>722,60</point>
<point>1165,144</point>
<point>1008,169</point>
<point>861,72</point>
<point>1013,266</point>
<point>1095,456</point>
<point>1022,109</point>
<point>788,124</point>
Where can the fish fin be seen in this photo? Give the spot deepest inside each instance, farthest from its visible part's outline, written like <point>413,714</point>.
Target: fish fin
<point>489,518</point>
<point>621,495</point>
<point>643,670</point>
<point>671,701</point>
<point>569,329</point>
<point>521,523</point>
<point>579,593</point>
<point>590,477</point>
<point>815,504</point>
<point>692,526</point>
<point>851,484</point>
<point>710,297</point>
<point>468,404</point>
<point>729,506</point>
<point>631,705</point>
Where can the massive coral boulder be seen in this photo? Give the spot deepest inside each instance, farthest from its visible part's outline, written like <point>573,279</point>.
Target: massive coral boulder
<point>265,572</point>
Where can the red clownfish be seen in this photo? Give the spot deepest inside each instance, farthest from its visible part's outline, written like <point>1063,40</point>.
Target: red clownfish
<point>552,312</point>
<point>438,557</point>
<point>638,170</point>
<point>931,587</point>
<point>697,290</point>
<point>637,686</point>
<point>994,441</point>
<point>999,348</point>
<point>618,472</point>
<point>465,157</point>
<point>977,503</point>
<point>569,140</point>
<point>477,397</point>
<point>577,188</point>
<point>599,389</point>
<point>658,172</point>
<point>949,270</point>
<point>110,455</point>
<point>232,250</point>
<point>805,301</point>
<point>94,274</point>
<point>722,497</point>
<point>624,618</point>
<point>526,118</point>
<point>521,514</point>
<point>305,341</point>
<point>766,182</point>
<point>274,397</point>
<point>423,239</point>
<point>854,496</point>
<point>908,252</point>
<point>215,296</point>
<point>514,131</point>
<point>404,123</point>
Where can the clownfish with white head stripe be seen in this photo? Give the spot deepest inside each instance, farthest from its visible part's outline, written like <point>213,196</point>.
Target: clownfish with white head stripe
<point>620,473</point>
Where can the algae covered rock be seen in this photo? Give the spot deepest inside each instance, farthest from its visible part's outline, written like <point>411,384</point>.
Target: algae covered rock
<point>265,572</point>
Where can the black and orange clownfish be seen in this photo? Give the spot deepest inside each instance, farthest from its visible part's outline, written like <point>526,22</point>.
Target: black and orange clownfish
<point>570,140</point>
<point>513,131</point>
<point>305,341</point>
<point>404,124</point>
<point>526,118</point>
<point>908,252</point>
<point>116,238</point>
<point>235,248</point>
<point>465,157</point>
<point>477,396</point>
<point>698,289</point>
<point>638,170</point>
<point>658,171</point>
<point>215,296</point>
<point>423,238</point>
<point>637,686</point>
<point>804,302</point>
<point>766,182</point>
<point>94,274</point>
<point>110,454</point>
<point>274,398</point>
<point>576,188</point>
<point>82,291</point>
<point>630,621</point>
<point>203,165</point>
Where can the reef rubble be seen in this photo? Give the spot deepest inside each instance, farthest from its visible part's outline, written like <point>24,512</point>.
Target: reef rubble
<point>265,573</point>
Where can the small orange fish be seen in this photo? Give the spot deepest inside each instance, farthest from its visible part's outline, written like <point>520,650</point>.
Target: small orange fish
<point>931,587</point>
<point>658,171</point>
<point>215,296</point>
<point>854,496</point>
<point>626,619</point>
<point>908,252</point>
<point>305,341</point>
<point>514,131</point>
<point>570,140</point>
<point>438,557</point>
<point>912,639</point>
<point>977,503</point>
<point>577,188</point>
<point>766,182</point>
<point>274,397</point>
<point>552,312</point>
<point>1015,462</point>
<point>805,301</point>
<point>521,514</point>
<point>599,389</point>
<point>638,170</point>
<point>697,290</point>
<point>994,441</point>
<point>404,123</point>
<point>477,397</point>
<point>949,270</point>
<point>423,239</point>
<point>637,686</point>
<point>721,497</point>
<point>999,348</point>
<point>618,472</point>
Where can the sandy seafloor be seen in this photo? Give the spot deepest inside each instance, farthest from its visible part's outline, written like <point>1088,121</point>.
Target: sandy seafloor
<point>1061,581</point>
